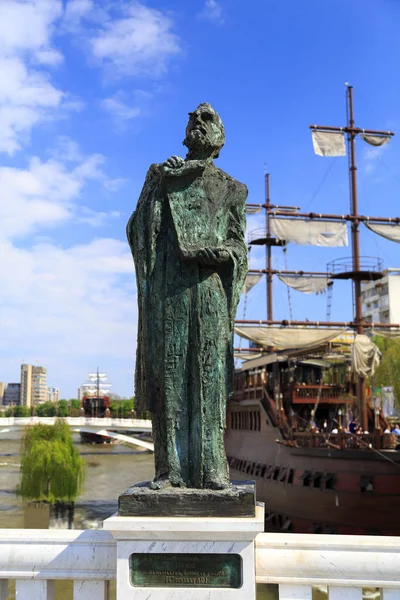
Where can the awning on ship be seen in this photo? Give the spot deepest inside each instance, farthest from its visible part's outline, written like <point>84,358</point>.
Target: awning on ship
<point>284,338</point>
<point>315,362</point>
<point>267,359</point>
<point>309,232</point>
<point>247,355</point>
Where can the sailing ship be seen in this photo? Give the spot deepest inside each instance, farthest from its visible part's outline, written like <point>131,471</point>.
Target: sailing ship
<point>95,403</point>
<point>302,383</point>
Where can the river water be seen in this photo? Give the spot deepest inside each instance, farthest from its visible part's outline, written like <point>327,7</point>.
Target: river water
<point>111,469</point>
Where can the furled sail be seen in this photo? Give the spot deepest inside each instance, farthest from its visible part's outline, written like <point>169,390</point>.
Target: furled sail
<point>365,356</point>
<point>287,337</point>
<point>253,210</point>
<point>247,355</point>
<point>308,231</point>
<point>390,231</point>
<point>375,140</point>
<point>329,143</point>
<point>391,334</point>
<point>307,285</point>
<point>251,280</point>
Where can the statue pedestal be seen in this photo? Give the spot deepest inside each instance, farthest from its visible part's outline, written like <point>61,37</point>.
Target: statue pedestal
<point>186,558</point>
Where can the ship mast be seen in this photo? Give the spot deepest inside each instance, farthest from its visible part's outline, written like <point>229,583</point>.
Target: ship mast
<point>352,131</point>
<point>358,272</point>
<point>268,248</point>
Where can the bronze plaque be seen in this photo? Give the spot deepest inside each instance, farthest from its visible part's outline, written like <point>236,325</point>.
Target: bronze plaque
<point>186,570</point>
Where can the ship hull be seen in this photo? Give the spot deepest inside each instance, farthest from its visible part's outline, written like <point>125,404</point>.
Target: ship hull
<point>93,438</point>
<point>318,490</point>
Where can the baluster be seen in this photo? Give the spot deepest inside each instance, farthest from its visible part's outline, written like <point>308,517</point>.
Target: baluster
<point>390,594</point>
<point>39,589</point>
<point>3,589</point>
<point>91,590</point>
<point>345,593</point>
<point>295,592</point>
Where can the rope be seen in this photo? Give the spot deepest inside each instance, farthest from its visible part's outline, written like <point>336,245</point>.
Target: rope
<point>321,183</point>
<point>287,287</point>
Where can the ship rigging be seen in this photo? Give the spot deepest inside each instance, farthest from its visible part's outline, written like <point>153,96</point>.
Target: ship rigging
<point>286,223</point>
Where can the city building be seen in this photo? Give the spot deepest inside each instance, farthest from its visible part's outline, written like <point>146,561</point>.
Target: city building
<point>53,394</point>
<point>33,385</point>
<point>381,298</point>
<point>2,390</point>
<point>12,394</point>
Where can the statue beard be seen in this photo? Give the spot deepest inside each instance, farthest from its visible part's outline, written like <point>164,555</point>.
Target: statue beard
<point>199,144</point>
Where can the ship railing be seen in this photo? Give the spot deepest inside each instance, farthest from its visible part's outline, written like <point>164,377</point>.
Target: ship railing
<point>33,561</point>
<point>309,393</point>
<point>340,441</point>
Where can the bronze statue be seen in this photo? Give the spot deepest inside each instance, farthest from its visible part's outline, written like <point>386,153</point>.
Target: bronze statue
<point>187,241</point>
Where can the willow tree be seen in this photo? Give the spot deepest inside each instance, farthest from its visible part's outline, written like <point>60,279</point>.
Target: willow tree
<point>52,469</point>
<point>388,372</point>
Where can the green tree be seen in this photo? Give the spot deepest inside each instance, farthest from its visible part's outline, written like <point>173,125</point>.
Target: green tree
<point>47,409</point>
<point>51,468</point>
<point>388,372</point>
<point>63,408</point>
<point>22,411</point>
<point>75,403</point>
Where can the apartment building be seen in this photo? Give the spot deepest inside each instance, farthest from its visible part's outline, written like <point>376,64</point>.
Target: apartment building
<point>53,394</point>
<point>2,391</point>
<point>12,394</point>
<point>33,385</point>
<point>381,299</point>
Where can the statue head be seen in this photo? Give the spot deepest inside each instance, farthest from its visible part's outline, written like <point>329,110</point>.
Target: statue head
<point>205,133</point>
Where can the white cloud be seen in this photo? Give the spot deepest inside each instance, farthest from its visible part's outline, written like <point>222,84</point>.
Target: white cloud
<point>46,194</point>
<point>119,109</point>
<point>27,96</point>
<point>66,307</point>
<point>139,41</point>
<point>212,11</point>
<point>113,185</point>
<point>27,26</point>
<point>371,156</point>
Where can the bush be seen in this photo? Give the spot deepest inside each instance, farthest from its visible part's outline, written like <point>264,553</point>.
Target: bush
<point>51,468</point>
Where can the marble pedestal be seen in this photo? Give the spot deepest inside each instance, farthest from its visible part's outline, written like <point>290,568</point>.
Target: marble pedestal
<point>185,536</point>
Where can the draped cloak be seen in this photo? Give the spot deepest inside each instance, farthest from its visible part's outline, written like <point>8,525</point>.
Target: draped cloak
<point>186,312</point>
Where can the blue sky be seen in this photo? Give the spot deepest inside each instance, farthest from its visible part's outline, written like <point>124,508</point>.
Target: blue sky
<point>92,92</point>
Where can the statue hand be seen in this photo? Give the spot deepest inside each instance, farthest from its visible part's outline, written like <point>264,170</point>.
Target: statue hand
<point>212,256</point>
<point>174,162</point>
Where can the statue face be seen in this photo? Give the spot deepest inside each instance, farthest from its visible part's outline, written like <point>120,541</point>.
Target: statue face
<point>205,134</point>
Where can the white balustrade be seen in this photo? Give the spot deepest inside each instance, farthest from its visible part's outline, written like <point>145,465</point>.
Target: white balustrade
<point>35,558</point>
<point>346,564</point>
<point>77,422</point>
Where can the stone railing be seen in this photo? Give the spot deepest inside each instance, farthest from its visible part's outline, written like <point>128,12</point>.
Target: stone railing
<point>139,424</point>
<point>36,558</point>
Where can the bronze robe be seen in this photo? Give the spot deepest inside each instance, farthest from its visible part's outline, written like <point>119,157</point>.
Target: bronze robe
<point>184,364</point>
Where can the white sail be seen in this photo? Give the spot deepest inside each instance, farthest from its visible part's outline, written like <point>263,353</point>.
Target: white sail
<point>391,334</point>
<point>247,355</point>
<point>251,280</point>
<point>287,337</point>
<point>309,232</point>
<point>390,231</point>
<point>375,140</point>
<point>253,210</point>
<point>329,143</point>
<point>365,356</point>
<point>307,285</point>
